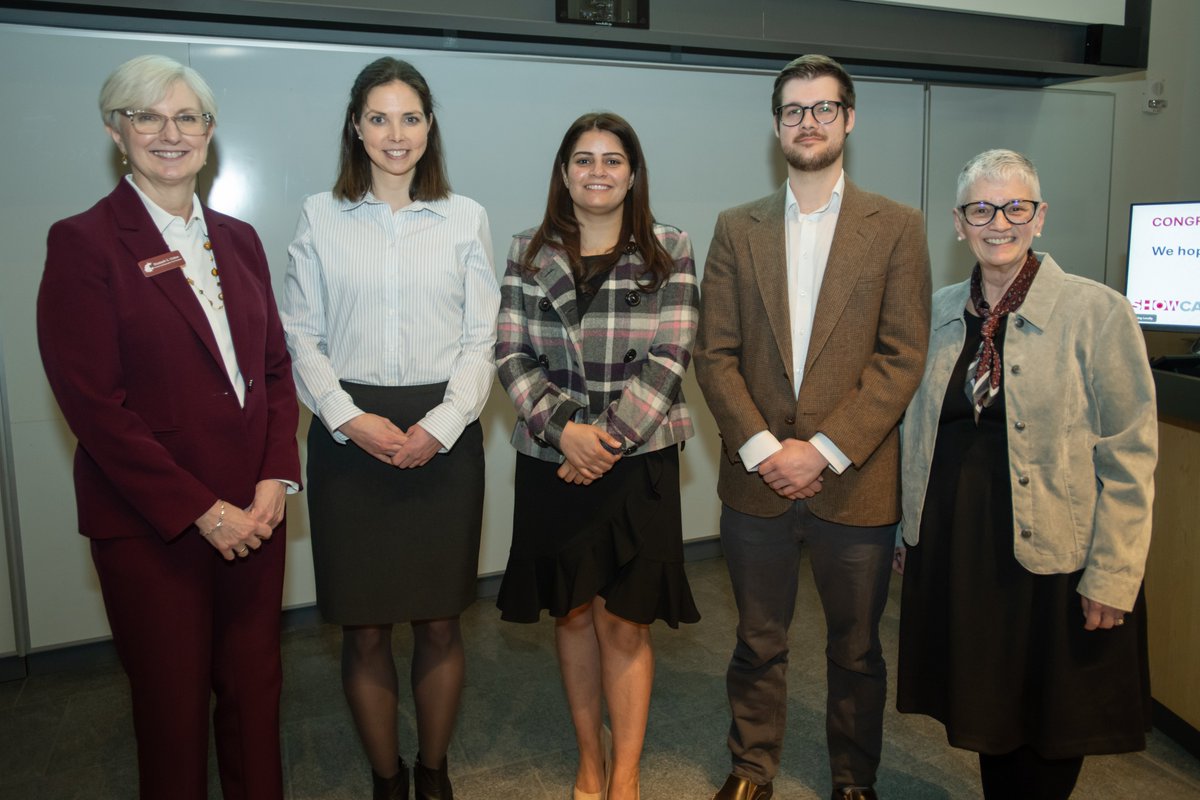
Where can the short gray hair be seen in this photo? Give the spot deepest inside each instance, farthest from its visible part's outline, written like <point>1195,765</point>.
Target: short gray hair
<point>143,81</point>
<point>998,165</point>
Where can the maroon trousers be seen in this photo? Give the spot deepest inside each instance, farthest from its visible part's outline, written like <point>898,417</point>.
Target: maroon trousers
<point>187,625</point>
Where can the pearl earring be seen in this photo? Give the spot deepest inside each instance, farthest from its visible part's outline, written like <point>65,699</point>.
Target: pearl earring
<point>961,237</point>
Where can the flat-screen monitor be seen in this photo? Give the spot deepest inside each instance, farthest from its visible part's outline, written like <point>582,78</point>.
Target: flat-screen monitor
<point>1163,280</point>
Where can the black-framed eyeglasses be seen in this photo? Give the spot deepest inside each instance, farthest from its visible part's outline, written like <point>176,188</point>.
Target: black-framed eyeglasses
<point>188,123</point>
<point>1017,212</point>
<point>824,112</point>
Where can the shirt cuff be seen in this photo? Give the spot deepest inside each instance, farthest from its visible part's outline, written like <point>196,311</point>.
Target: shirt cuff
<point>336,412</point>
<point>291,486</point>
<point>757,448</point>
<point>445,424</point>
<point>836,458</point>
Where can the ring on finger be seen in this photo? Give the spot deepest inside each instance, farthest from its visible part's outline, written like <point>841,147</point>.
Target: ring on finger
<point>1120,621</point>
<point>243,551</point>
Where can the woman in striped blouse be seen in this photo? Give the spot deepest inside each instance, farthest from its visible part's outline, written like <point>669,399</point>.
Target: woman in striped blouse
<point>389,310</point>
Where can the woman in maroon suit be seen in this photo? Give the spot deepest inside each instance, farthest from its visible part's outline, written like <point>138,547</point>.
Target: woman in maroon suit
<point>160,337</point>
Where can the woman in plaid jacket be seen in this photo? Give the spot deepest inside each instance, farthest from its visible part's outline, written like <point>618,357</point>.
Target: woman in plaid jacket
<point>597,319</point>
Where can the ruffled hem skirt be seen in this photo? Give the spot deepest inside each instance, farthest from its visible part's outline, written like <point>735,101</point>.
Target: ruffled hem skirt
<point>620,538</point>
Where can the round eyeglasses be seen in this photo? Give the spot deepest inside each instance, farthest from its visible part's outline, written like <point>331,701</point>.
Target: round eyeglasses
<point>1017,212</point>
<point>823,112</point>
<point>188,123</point>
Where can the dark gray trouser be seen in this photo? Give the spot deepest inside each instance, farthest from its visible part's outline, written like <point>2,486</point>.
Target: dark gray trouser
<point>851,567</point>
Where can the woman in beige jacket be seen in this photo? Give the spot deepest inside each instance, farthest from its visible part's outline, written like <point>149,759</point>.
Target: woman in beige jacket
<point>1028,466</point>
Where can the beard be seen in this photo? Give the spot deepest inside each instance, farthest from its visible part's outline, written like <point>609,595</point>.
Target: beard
<point>803,161</point>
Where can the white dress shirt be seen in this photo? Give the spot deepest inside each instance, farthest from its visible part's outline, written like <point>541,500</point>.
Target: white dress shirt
<point>189,237</point>
<point>383,298</point>
<point>809,239</point>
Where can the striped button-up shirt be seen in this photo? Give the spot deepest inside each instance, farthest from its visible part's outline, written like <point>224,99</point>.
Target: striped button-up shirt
<point>383,298</point>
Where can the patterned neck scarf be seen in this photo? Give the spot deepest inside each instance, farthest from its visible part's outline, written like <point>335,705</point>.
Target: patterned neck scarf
<point>983,375</point>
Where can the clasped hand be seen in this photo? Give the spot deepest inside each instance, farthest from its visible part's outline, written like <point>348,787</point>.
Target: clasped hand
<point>240,531</point>
<point>381,438</point>
<point>587,458</point>
<point>794,471</point>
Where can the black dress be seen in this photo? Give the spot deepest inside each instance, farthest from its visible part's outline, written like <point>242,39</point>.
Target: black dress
<point>621,537</point>
<point>994,652</point>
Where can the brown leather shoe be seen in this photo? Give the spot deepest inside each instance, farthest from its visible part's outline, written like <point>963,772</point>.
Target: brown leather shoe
<point>855,793</point>
<point>739,788</point>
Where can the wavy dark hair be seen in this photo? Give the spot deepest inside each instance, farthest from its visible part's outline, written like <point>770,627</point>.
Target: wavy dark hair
<point>560,228</point>
<point>354,165</point>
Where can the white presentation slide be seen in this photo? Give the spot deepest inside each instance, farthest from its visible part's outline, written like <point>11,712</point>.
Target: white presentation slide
<point>1164,264</point>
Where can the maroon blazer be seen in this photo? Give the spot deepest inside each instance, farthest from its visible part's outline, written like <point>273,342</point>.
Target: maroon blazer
<point>135,367</point>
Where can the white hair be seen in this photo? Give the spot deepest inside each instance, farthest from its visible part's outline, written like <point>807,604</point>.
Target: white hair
<point>996,166</point>
<point>143,81</point>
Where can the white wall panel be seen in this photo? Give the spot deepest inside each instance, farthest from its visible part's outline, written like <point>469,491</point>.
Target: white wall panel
<point>62,592</point>
<point>1069,137</point>
<point>1110,12</point>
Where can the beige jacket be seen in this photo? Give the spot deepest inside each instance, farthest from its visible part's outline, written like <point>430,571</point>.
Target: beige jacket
<point>1082,439</point>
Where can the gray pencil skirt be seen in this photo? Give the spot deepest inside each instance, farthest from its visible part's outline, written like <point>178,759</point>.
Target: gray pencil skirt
<point>394,545</point>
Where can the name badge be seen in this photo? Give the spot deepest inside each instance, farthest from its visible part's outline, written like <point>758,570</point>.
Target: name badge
<point>157,265</point>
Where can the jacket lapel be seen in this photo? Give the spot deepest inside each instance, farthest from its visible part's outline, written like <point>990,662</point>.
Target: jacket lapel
<point>768,251</point>
<point>237,288</point>
<point>851,242</point>
<point>142,240</point>
<point>558,282</point>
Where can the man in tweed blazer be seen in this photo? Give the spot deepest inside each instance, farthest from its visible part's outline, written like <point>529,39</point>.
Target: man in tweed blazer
<point>813,330</point>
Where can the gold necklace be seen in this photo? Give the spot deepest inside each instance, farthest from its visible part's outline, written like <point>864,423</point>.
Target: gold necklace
<point>216,273</point>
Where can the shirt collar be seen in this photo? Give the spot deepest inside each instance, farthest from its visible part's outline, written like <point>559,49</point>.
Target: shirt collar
<point>164,219</point>
<point>1039,303</point>
<point>439,207</point>
<point>834,203</point>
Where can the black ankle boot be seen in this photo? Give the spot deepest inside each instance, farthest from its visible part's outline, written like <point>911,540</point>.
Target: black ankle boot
<point>432,784</point>
<point>393,788</point>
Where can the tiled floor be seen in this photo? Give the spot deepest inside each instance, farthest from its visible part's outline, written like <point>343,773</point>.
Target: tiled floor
<point>68,734</point>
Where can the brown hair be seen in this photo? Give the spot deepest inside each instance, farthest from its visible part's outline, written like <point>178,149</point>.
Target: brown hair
<point>560,228</point>
<point>354,165</point>
<point>814,66</point>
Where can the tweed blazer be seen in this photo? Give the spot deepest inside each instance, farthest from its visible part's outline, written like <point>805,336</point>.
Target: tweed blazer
<point>620,368</point>
<point>865,358</point>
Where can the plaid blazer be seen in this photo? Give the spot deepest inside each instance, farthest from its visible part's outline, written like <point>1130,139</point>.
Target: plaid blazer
<point>620,368</point>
